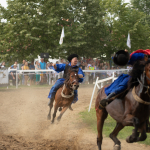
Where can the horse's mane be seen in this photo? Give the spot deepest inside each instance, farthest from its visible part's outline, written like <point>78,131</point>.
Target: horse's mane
<point>136,72</point>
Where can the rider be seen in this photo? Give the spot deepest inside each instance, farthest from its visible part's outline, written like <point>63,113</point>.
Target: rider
<point>120,84</point>
<point>73,59</point>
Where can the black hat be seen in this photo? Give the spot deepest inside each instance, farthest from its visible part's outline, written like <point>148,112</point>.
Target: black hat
<point>121,58</point>
<point>71,57</point>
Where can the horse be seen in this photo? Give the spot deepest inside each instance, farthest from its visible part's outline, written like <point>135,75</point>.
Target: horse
<point>131,109</point>
<point>64,95</point>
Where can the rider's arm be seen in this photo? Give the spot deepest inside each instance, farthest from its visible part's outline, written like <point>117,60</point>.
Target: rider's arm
<point>81,75</point>
<point>59,67</point>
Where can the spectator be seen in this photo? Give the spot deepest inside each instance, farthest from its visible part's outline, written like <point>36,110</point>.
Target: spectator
<point>43,75</point>
<point>23,62</point>
<point>2,65</point>
<point>25,67</point>
<point>12,75</point>
<point>83,65</point>
<point>91,77</point>
<point>86,73</point>
<point>32,67</point>
<point>84,60</point>
<point>37,67</point>
<point>51,74</point>
<point>12,66</point>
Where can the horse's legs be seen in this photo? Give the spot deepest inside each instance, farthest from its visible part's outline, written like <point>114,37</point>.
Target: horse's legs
<point>62,112</point>
<point>114,134</point>
<point>50,108</point>
<point>101,116</point>
<point>135,122</point>
<point>142,130</point>
<point>55,111</point>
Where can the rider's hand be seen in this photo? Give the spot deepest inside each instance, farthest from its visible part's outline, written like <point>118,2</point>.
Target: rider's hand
<point>126,50</point>
<point>80,75</point>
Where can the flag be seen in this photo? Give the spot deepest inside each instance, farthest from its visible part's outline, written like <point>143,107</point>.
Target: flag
<point>128,41</point>
<point>62,36</point>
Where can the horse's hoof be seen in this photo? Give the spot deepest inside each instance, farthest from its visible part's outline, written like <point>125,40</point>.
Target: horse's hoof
<point>48,117</point>
<point>52,122</point>
<point>58,119</point>
<point>117,147</point>
<point>129,139</point>
<point>70,108</point>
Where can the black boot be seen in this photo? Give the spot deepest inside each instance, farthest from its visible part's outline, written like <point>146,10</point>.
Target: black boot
<point>104,102</point>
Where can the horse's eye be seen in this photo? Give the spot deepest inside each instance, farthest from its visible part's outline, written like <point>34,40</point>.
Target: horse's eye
<point>72,76</point>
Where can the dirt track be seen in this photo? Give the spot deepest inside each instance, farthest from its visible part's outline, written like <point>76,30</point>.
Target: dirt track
<point>24,124</point>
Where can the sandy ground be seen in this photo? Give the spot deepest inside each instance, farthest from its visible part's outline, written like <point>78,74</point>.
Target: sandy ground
<point>24,124</point>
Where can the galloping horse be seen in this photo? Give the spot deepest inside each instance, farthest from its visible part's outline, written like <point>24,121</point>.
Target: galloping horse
<point>65,94</point>
<point>132,109</point>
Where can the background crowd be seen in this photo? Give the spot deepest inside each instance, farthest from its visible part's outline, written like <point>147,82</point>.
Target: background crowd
<point>30,78</point>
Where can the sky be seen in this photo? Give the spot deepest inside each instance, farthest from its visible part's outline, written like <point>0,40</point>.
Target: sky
<point>4,3</point>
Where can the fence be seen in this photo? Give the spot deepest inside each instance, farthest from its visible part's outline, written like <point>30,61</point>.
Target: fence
<point>90,75</point>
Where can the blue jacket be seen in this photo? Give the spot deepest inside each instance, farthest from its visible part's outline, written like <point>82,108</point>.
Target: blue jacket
<point>61,67</point>
<point>119,85</point>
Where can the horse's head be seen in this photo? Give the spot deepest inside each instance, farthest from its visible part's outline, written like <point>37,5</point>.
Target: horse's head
<point>73,79</point>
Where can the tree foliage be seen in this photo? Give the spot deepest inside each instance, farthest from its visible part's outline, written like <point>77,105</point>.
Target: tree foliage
<point>93,28</point>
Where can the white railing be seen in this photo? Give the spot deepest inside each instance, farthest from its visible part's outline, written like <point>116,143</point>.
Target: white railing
<point>101,85</point>
<point>90,71</point>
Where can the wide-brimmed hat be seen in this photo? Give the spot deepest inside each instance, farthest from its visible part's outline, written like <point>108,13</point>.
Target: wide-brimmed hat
<point>121,58</point>
<point>71,57</point>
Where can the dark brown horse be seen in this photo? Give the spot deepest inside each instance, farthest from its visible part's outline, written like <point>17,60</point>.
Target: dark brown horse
<point>130,110</point>
<point>65,94</point>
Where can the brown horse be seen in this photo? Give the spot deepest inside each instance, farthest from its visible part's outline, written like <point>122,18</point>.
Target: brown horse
<point>65,94</point>
<point>130,110</point>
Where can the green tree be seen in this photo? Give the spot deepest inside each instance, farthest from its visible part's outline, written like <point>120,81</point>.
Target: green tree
<point>34,26</point>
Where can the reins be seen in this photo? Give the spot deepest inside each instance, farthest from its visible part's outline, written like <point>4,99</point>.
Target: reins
<point>137,98</point>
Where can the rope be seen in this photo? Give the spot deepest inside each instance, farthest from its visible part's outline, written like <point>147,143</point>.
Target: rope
<point>66,96</point>
<point>137,98</point>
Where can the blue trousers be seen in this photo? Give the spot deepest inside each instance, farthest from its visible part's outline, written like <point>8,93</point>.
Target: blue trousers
<point>56,86</point>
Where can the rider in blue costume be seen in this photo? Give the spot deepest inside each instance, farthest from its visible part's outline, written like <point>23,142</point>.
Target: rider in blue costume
<point>73,59</point>
<point>121,83</point>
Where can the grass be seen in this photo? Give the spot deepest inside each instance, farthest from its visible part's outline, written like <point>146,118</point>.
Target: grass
<point>90,119</point>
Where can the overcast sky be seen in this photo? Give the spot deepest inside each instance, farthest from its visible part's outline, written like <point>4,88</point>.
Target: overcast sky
<point>4,3</point>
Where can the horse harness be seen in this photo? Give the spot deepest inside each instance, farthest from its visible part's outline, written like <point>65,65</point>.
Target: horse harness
<point>66,96</point>
<point>136,97</point>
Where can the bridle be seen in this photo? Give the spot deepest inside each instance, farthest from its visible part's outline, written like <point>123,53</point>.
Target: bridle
<point>70,88</point>
<point>147,87</point>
